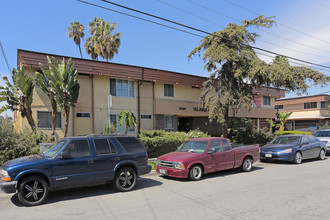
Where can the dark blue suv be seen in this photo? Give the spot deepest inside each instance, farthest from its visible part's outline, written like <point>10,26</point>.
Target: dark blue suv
<point>76,161</point>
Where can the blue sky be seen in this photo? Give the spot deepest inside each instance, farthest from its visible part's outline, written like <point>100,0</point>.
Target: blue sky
<point>40,25</point>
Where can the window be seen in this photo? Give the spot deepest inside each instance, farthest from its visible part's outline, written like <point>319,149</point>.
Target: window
<point>304,140</point>
<point>114,119</point>
<point>323,105</point>
<point>45,120</point>
<point>123,88</point>
<point>169,122</point>
<point>308,105</point>
<point>216,144</point>
<point>102,146</point>
<point>131,144</point>
<point>168,90</point>
<point>78,148</point>
<point>266,100</point>
<point>226,144</point>
<point>278,106</point>
<point>146,117</point>
<point>83,115</point>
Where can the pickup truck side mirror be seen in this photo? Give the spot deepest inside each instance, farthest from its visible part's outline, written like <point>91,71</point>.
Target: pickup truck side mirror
<point>211,151</point>
<point>65,155</point>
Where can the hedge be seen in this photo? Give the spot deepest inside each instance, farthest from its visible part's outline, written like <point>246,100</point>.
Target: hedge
<point>279,133</point>
<point>158,142</point>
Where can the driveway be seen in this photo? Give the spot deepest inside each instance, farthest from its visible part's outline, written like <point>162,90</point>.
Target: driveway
<point>270,191</point>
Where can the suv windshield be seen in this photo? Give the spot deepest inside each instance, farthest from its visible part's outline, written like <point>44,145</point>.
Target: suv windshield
<point>194,146</point>
<point>292,140</point>
<point>54,148</point>
<point>322,134</point>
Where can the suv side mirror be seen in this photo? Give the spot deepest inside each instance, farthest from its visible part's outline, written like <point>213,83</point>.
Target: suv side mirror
<point>65,155</point>
<point>211,151</point>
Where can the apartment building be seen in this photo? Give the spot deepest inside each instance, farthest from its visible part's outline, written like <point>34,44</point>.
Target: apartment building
<point>307,111</point>
<point>159,99</point>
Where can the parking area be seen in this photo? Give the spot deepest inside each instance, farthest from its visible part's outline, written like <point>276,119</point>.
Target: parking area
<point>269,191</point>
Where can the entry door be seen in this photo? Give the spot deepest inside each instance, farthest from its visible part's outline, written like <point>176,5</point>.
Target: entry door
<point>76,170</point>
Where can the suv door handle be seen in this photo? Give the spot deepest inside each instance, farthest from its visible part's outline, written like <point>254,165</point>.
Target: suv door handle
<point>117,159</point>
<point>90,161</point>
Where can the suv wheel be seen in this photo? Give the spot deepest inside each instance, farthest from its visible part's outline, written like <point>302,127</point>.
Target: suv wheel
<point>125,179</point>
<point>33,190</point>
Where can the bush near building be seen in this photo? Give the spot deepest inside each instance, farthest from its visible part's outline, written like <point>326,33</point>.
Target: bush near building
<point>279,133</point>
<point>14,145</point>
<point>158,142</point>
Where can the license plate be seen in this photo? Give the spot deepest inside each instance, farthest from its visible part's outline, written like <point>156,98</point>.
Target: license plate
<point>163,171</point>
<point>268,155</point>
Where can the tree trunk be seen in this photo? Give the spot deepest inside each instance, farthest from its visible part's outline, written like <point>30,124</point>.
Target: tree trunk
<point>126,129</point>
<point>31,121</point>
<point>54,115</point>
<point>80,51</point>
<point>67,116</point>
<point>225,124</point>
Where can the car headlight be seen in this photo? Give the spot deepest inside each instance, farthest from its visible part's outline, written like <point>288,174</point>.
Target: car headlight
<point>179,166</point>
<point>286,151</point>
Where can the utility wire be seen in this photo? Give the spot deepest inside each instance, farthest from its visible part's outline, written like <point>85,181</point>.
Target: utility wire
<point>284,25</point>
<point>5,57</point>
<point>202,18</point>
<point>276,35</point>
<point>257,48</point>
<point>205,32</point>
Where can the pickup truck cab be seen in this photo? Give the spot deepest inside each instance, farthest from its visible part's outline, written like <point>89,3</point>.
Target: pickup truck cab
<point>75,161</point>
<point>196,157</point>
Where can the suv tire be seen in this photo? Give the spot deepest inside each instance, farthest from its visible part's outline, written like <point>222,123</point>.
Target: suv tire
<point>32,190</point>
<point>125,179</point>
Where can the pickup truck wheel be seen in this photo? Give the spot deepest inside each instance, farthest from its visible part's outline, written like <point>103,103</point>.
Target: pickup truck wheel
<point>195,173</point>
<point>125,179</point>
<point>322,155</point>
<point>247,164</point>
<point>33,190</point>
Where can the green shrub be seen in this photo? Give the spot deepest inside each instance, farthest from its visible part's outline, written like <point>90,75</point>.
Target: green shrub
<point>158,142</point>
<point>279,133</point>
<point>14,145</point>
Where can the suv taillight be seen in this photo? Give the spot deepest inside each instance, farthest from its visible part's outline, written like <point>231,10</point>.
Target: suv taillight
<point>147,157</point>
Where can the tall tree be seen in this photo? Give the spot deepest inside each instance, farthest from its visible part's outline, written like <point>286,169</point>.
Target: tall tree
<point>48,83</point>
<point>236,69</point>
<point>65,85</point>
<point>102,41</point>
<point>129,119</point>
<point>19,96</point>
<point>76,31</point>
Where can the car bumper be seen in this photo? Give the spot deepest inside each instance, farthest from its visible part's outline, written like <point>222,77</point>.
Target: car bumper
<point>8,187</point>
<point>275,156</point>
<point>172,172</point>
<point>144,170</point>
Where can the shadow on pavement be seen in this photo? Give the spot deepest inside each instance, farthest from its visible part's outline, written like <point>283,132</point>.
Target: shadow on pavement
<point>281,162</point>
<point>223,173</point>
<point>89,191</point>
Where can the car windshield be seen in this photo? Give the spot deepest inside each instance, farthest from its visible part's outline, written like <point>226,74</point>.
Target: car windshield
<point>292,140</point>
<point>194,146</point>
<point>52,150</point>
<point>322,134</point>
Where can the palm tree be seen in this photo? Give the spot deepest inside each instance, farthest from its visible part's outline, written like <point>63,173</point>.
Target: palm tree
<point>102,42</point>
<point>19,95</point>
<point>66,86</point>
<point>46,81</point>
<point>283,117</point>
<point>76,31</point>
<point>129,118</point>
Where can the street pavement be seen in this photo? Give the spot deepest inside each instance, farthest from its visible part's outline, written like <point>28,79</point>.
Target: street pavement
<point>269,191</point>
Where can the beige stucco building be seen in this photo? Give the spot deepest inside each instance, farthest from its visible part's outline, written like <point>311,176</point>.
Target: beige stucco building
<point>159,99</point>
<point>307,111</point>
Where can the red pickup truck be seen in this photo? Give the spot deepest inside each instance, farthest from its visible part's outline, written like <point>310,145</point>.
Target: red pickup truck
<point>196,157</point>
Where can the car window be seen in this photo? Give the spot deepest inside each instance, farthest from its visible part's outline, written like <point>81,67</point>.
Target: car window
<point>304,140</point>
<point>131,144</point>
<point>102,146</point>
<point>322,134</point>
<point>78,148</point>
<point>194,146</point>
<point>226,144</point>
<point>287,140</point>
<point>216,144</point>
<point>312,139</point>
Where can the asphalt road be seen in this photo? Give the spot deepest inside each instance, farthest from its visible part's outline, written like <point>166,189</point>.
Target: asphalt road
<point>270,191</point>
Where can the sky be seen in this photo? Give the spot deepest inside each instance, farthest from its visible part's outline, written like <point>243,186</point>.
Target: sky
<point>302,30</point>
